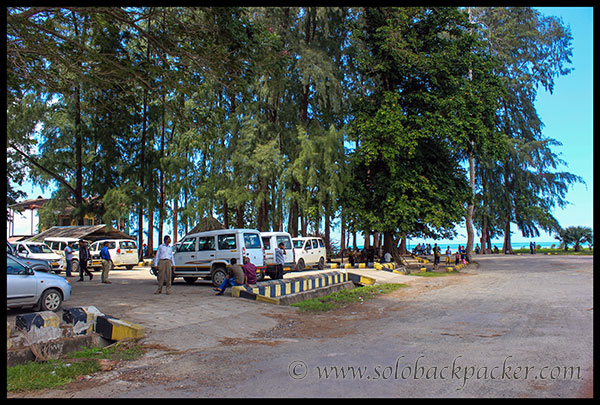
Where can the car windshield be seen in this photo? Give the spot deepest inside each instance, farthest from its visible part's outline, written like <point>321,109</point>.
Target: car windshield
<point>39,248</point>
<point>298,243</point>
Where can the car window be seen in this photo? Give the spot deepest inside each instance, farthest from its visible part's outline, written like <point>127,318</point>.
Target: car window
<point>94,247</point>
<point>111,245</point>
<point>187,245</point>
<point>252,241</point>
<point>39,248</point>
<point>227,242</point>
<point>315,243</point>
<point>22,249</point>
<point>287,244</point>
<point>298,243</point>
<point>308,245</point>
<point>12,267</point>
<point>321,243</point>
<point>206,243</point>
<point>267,243</point>
<point>128,244</point>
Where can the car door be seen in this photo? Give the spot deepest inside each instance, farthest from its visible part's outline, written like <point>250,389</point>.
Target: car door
<point>227,247</point>
<point>21,287</point>
<point>185,257</point>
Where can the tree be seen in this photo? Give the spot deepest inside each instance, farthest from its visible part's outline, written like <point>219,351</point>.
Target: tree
<point>532,50</point>
<point>575,234</point>
<point>413,120</point>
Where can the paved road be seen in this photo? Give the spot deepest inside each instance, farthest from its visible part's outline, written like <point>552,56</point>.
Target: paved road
<point>514,326</point>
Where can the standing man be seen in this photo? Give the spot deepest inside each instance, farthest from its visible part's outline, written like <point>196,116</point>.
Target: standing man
<point>279,261</point>
<point>69,258</point>
<point>436,256</point>
<point>84,257</point>
<point>107,263</point>
<point>164,262</point>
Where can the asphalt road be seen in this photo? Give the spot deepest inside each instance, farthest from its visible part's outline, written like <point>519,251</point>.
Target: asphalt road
<point>511,326</point>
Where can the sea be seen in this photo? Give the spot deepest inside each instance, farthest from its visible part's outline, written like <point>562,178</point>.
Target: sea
<point>454,246</point>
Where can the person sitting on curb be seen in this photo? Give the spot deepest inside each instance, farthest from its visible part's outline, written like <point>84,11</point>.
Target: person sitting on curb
<point>236,277</point>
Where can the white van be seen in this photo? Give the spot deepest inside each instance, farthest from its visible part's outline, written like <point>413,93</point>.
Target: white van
<point>58,244</point>
<point>207,254</point>
<point>39,250</point>
<point>310,251</point>
<point>271,240</point>
<point>123,252</point>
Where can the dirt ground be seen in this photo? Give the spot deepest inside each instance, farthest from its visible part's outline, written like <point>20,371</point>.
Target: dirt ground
<point>431,313</point>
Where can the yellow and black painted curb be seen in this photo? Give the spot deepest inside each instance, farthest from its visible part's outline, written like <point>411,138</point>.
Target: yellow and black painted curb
<point>271,290</point>
<point>360,279</point>
<point>83,319</point>
<point>117,329</point>
<point>43,319</point>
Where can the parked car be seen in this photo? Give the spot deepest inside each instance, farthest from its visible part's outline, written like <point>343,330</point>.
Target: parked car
<point>27,287</point>
<point>207,254</point>
<point>123,252</point>
<point>58,244</point>
<point>310,251</point>
<point>35,264</point>
<point>271,240</point>
<point>39,250</point>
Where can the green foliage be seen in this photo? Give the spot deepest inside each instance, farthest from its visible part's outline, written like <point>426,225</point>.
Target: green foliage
<point>576,235</point>
<point>272,116</point>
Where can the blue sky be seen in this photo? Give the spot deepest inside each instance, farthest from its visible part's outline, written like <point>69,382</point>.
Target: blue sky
<point>567,115</point>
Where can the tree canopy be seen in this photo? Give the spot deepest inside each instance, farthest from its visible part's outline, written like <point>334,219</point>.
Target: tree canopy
<point>288,118</point>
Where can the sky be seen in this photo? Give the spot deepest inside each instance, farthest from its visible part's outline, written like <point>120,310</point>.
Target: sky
<point>567,115</point>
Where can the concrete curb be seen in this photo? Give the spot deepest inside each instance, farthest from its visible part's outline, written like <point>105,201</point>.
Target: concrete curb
<point>279,291</point>
<point>80,327</point>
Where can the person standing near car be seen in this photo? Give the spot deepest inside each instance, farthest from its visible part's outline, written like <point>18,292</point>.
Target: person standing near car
<point>279,261</point>
<point>84,257</point>
<point>107,263</point>
<point>164,262</point>
<point>69,258</point>
<point>250,271</point>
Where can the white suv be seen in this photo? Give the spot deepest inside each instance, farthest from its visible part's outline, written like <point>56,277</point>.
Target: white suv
<point>39,250</point>
<point>207,254</point>
<point>123,252</point>
<point>310,251</point>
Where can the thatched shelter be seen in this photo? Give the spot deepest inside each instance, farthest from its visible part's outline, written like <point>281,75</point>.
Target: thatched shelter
<point>207,224</point>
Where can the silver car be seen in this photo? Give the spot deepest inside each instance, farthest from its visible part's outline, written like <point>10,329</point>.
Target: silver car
<point>27,287</point>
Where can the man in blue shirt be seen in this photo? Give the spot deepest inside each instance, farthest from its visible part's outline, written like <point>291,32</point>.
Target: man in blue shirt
<point>107,263</point>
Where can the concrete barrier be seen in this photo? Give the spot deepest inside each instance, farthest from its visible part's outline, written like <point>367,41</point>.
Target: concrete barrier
<point>83,319</point>
<point>117,329</point>
<point>39,326</point>
<point>280,291</point>
<point>360,279</point>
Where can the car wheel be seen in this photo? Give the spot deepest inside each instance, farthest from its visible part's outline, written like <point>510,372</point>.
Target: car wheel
<point>75,267</point>
<point>300,265</point>
<point>129,267</point>
<point>321,263</point>
<point>219,275</point>
<point>50,300</point>
<point>190,280</point>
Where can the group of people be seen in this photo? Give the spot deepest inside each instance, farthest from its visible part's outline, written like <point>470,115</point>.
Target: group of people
<point>84,258</point>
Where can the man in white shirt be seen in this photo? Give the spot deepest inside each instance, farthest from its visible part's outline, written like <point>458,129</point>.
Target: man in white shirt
<point>164,262</point>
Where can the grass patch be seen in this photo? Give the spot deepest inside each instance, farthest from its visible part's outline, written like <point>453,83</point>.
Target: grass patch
<point>431,273</point>
<point>560,252</point>
<point>57,373</point>
<point>340,298</point>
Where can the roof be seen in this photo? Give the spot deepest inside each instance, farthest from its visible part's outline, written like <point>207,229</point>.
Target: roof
<point>89,232</point>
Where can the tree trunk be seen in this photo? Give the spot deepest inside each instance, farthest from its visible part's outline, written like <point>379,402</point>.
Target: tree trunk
<point>506,248</point>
